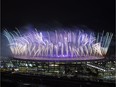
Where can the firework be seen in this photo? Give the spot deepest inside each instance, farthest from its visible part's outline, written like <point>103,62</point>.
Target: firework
<point>58,45</point>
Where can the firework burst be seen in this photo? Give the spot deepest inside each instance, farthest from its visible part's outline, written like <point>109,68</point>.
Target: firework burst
<point>58,45</point>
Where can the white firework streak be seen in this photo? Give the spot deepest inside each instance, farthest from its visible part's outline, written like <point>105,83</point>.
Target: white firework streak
<point>65,44</point>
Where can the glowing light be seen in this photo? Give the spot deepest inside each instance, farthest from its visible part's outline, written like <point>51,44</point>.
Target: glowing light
<point>53,65</point>
<point>96,67</point>
<point>57,44</point>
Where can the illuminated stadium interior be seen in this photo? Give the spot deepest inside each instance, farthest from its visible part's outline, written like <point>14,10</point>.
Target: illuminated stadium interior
<point>58,45</point>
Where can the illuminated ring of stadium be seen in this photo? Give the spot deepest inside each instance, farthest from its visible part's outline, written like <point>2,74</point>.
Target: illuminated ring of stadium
<point>59,59</point>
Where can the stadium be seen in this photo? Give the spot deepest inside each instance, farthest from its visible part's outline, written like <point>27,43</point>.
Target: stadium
<point>58,51</point>
<point>59,55</point>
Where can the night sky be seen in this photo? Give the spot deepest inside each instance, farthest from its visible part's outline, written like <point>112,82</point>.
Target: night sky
<point>97,15</point>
